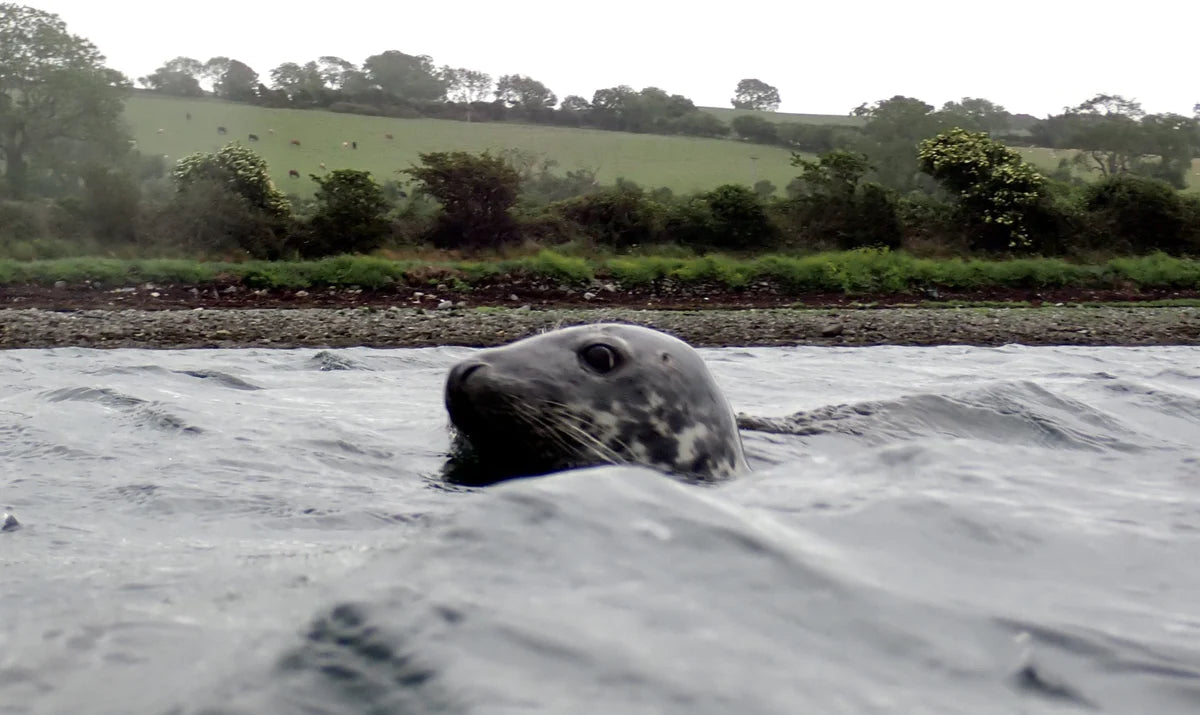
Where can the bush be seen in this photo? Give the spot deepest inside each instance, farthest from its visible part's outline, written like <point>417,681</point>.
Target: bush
<point>350,215</point>
<point>1141,215</point>
<point>621,216</point>
<point>206,217</point>
<point>832,206</point>
<point>696,124</point>
<point>476,193</point>
<point>996,190</point>
<point>22,221</point>
<point>815,138</point>
<point>738,219</point>
<point>111,204</point>
<point>240,171</point>
<point>755,129</point>
<point>355,108</point>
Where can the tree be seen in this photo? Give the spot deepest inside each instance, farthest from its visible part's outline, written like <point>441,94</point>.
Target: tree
<point>302,83</point>
<point>574,110</point>
<point>1106,129</point>
<point>652,109</point>
<point>467,86</point>
<point>54,88</point>
<point>1174,139</point>
<point>890,136</point>
<point>405,76</point>
<point>755,94</point>
<point>575,103</point>
<point>524,93</point>
<point>351,214</point>
<point>609,106</point>
<point>335,71</point>
<point>179,77</point>
<point>1114,136</point>
<point>994,186</point>
<point>232,79</point>
<point>476,193</point>
<point>977,115</point>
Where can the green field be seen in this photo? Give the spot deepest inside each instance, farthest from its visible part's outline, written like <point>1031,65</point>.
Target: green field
<point>684,164</point>
<point>727,115</point>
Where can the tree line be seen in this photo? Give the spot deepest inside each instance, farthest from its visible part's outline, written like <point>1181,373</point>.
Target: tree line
<point>907,176</point>
<point>397,84</point>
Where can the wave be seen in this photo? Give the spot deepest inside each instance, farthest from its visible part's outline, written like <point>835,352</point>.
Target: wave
<point>1010,413</point>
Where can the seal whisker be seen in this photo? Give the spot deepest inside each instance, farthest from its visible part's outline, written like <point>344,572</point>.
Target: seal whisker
<point>558,426</point>
<point>594,394</point>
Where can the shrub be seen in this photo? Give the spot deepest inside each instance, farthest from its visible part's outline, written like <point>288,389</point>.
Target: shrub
<point>111,204</point>
<point>1139,214</point>
<point>350,214</point>
<point>738,219</point>
<point>621,216</point>
<point>831,205</point>
<point>476,193</point>
<point>996,190</point>
<point>755,129</point>
<point>240,171</point>
<point>206,217</point>
<point>22,221</point>
<point>696,124</point>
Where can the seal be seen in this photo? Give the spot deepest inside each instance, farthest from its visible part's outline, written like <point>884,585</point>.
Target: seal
<point>604,393</point>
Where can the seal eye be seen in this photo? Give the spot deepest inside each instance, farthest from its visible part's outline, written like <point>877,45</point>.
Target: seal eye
<point>600,357</point>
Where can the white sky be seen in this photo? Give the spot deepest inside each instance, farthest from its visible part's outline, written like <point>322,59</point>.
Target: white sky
<point>825,57</point>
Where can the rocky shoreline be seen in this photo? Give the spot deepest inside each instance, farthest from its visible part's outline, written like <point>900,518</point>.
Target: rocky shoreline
<point>397,326</point>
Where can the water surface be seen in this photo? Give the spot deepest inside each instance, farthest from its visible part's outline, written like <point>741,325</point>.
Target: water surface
<point>937,530</point>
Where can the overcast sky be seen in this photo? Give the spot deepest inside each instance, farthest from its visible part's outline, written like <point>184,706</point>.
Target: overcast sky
<point>825,57</point>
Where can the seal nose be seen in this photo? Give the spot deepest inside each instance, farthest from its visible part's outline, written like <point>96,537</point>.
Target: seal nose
<point>459,374</point>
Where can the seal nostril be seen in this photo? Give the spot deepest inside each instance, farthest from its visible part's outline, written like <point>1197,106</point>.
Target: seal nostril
<point>459,374</point>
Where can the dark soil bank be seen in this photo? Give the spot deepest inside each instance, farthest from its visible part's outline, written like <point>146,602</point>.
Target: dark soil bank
<point>416,327</point>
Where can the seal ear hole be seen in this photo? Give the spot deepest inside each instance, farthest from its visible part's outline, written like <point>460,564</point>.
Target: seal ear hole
<point>600,357</point>
<point>666,357</point>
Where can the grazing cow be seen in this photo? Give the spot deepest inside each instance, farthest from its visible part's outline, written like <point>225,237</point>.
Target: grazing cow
<point>293,173</point>
<point>388,136</point>
<point>270,131</point>
<point>162,131</point>
<point>189,116</point>
<point>222,130</point>
<point>253,137</point>
<point>294,142</point>
<point>322,165</point>
<point>354,144</point>
<point>345,145</point>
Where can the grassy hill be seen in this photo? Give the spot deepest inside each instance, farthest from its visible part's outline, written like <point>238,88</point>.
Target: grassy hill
<point>682,163</point>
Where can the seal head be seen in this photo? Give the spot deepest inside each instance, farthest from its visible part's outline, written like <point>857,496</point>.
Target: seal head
<point>591,395</point>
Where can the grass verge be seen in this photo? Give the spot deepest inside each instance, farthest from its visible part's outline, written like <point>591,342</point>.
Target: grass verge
<point>859,272</point>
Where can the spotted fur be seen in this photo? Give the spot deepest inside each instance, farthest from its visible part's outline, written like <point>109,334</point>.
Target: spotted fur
<point>538,405</point>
